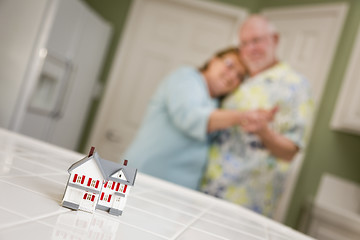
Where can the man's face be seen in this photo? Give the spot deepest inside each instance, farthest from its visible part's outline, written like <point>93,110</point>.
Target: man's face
<point>258,46</point>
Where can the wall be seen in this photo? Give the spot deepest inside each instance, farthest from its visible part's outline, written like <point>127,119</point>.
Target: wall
<point>115,12</point>
<point>328,151</point>
<point>250,5</point>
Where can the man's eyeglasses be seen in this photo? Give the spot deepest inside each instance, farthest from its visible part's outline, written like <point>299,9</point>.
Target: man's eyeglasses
<point>254,41</point>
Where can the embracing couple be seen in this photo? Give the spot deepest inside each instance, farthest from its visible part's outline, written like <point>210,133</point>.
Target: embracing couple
<point>240,150</point>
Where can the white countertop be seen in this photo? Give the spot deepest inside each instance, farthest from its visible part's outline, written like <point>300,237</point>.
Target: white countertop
<point>33,176</point>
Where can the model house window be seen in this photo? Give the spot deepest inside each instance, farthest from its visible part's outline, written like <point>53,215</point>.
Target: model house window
<point>121,188</point>
<point>79,179</point>
<point>89,197</point>
<point>109,185</point>
<point>106,197</point>
<point>93,183</point>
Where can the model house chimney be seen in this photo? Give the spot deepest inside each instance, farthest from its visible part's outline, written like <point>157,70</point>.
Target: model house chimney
<point>92,149</point>
<point>125,162</point>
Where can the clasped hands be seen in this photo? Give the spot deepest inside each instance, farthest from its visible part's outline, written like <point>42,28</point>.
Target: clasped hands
<point>256,121</point>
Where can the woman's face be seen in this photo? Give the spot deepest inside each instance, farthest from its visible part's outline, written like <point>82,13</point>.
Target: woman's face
<point>224,74</point>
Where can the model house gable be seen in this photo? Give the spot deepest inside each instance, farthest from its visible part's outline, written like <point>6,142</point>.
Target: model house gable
<point>86,174</point>
<point>120,175</point>
<point>119,172</point>
<point>88,167</point>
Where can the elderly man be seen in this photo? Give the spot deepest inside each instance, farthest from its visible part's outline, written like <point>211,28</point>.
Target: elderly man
<point>248,165</point>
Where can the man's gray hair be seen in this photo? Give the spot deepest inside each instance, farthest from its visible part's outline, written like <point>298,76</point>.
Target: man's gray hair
<point>270,26</point>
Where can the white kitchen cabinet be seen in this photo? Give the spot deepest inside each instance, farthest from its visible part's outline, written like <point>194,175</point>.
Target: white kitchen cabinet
<point>335,211</point>
<point>346,116</point>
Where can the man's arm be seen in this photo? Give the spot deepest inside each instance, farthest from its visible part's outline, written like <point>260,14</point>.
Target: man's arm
<point>277,144</point>
<point>257,123</point>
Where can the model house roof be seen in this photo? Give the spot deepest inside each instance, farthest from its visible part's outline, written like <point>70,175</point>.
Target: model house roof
<point>109,168</point>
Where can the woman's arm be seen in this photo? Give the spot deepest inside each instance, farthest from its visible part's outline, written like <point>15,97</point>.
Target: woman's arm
<point>221,119</point>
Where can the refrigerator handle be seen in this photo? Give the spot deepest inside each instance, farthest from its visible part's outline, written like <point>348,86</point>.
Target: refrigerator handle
<point>53,85</point>
<point>63,93</point>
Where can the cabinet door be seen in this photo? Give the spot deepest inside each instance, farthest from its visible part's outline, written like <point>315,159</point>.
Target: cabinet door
<point>346,116</point>
<point>325,230</point>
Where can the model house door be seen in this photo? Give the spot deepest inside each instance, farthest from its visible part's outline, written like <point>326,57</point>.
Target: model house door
<point>160,36</point>
<point>116,203</point>
<point>88,202</point>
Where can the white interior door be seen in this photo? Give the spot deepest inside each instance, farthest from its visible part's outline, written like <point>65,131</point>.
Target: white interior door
<point>308,40</point>
<point>160,35</point>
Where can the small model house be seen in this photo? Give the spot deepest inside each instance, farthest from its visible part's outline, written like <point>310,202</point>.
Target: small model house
<point>96,183</point>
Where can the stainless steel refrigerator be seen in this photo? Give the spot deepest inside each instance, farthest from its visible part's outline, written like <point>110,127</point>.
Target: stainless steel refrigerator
<point>51,55</point>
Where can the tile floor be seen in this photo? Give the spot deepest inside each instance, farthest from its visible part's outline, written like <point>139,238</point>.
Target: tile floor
<point>33,177</point>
